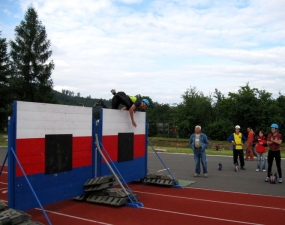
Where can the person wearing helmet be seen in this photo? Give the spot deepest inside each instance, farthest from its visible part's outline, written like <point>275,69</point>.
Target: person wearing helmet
<point>237,139</point>
<point>274,141</point>
<point>131,103</point>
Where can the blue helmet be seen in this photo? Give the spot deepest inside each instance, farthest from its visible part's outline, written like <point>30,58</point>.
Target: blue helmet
<point>146,102</point>
<point>274,125</point>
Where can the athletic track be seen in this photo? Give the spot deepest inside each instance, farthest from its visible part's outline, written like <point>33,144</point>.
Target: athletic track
<point>163,205</point>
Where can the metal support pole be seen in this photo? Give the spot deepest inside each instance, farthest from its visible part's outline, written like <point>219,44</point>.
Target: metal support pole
<point>4,163</point>
<point>108,164</point>
<point>176,182</point>
<point>134,204</point>
<point>44,212</point>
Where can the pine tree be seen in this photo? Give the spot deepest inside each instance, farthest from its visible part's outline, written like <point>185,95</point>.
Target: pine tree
<point>5,100</point>
<point>30,53</point>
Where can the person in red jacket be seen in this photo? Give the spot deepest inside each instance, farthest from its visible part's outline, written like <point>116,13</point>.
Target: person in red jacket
<point>261,151</point>
<point>249,144</point>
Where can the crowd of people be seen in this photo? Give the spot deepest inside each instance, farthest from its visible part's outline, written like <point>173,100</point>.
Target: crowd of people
<point>256,145</point>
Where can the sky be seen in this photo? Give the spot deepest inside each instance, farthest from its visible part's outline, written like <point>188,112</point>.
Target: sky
<point>159,48</point>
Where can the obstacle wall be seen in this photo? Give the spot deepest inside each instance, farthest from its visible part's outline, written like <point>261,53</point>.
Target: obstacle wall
<point>125,143</point>
<point>54,145</point>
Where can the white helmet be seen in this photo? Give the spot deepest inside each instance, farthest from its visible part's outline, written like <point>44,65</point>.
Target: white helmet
<point>237,127</point>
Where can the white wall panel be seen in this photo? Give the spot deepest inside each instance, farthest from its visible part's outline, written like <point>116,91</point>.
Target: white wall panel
<point>35,120</point>
<point>119,121</point>
<point>44,107</point>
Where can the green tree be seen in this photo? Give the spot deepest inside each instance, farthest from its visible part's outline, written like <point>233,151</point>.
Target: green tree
<point>195,109</point>
<point>30,53</point>
<point>220,129</point>
<point>248,107</point>
<point>5,100</point>
<point>244,106</point>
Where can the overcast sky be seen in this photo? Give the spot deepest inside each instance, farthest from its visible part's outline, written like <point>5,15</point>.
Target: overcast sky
<point>159,48</point>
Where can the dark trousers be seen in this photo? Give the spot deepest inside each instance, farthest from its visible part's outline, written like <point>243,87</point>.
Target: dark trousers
<point>270,157</point>
<point>121,98</point>
<point>236,154</point>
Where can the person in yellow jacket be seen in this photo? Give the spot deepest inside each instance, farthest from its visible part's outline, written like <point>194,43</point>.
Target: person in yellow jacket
<point>237,139</point>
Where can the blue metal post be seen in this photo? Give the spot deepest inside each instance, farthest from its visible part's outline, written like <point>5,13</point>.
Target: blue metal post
<point>4,163</point>
<point>135,204</point>
<point>136,201</point>
<point>176,181</point>
<point>11,159</point>
<point>44,212</point>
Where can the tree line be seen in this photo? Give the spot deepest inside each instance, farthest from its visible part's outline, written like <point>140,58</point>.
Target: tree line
<point>25,75</point>
<point>217,114</point>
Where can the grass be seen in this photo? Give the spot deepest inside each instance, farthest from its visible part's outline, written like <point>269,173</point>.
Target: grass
<point>177,145</point>
<point>189,151</point>
<point>3,139</point>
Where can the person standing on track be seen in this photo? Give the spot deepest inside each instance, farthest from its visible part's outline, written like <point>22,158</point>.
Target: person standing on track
<point>199,143</point>
<point>237,139</point>
<point>249,144</point>
<point>274,141</point>
<point>131,103</point>
<point>261,151</point>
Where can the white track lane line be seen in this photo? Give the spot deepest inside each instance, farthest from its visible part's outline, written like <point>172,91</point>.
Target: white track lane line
<point>204,217</point>
<point>213,201</point>
<point>159,210</point>
<point>162,170</point>
<point>75,217</point>
<point>236,192</point>
<point>70,216</point>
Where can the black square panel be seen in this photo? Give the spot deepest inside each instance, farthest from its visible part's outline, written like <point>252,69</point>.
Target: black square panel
<point>58,153</point>
<point>125,147</point>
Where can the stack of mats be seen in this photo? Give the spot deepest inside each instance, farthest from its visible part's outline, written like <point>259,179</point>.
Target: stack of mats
<point>100,190</point>
<point>14,217</point>
<point>164,180</point>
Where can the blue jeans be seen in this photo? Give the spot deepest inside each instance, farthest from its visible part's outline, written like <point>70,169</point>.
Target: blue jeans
<point>261,159</point>
<point>200,156</point>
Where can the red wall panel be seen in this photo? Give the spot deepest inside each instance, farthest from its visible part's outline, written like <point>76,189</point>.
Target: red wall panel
<point>31,154</point>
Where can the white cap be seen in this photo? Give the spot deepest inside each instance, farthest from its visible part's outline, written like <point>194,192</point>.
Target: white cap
<point>237,127</point>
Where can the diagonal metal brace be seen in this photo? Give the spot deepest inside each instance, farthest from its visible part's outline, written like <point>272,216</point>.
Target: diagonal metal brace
<point>176,183</point>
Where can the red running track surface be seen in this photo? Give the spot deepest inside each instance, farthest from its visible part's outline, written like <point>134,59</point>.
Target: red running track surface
<point>163,205</point>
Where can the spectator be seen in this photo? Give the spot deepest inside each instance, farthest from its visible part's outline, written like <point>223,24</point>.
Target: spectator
<point>274,141</point>
<point>237,139</point>
<point>261,151</point>
<point>249,144</point>
<point>198,143</point>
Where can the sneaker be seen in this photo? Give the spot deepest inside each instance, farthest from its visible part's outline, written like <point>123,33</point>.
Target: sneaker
<point>242,168</point>
<point>196,175</point>
<point>280,180</point>
<point>257,170</point>
<point>205,175</point>
<point>266,179</point>
<point>236,167</point>
<point>113,91</point>
<point>264,170</point>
